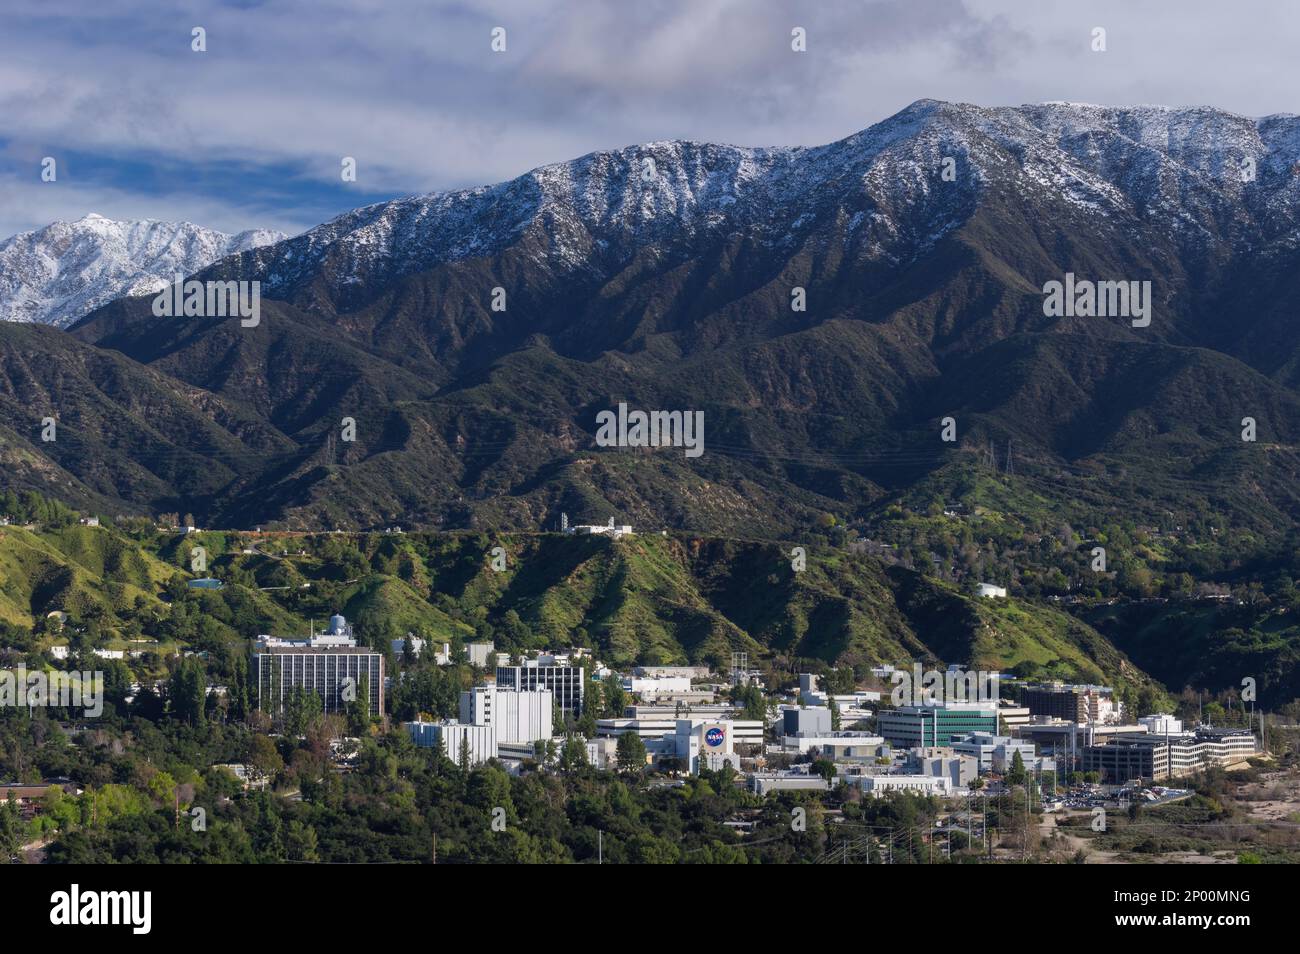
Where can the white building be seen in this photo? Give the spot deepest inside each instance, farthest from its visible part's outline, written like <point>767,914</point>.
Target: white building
<point>943,762</point>
<point>837,745</point>
<point>1160,724</point>
<point>481,740</point>
<point>476,654</point>
<point>700,744</point>
<point>518,716</point>
<point>61,652</point>
<point>480,654</point>
<point>651,686</point>
<point>609,529</point>
<point>997,753</point>
<point>762,783</point>
<point>1012,716</point>
<point>601,753</point>
<point>740,731</point>
<point>876,785</point>
<point>417,646</point>
<point>656,672</point>
<point>988,590</point>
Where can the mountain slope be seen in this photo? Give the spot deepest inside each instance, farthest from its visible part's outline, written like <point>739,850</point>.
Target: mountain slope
<point>662,275</point>
<point>55,275</point>
<point>649,599</point>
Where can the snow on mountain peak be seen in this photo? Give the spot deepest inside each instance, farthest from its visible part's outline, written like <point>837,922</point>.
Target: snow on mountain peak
<point>1180,168</point>
<point>1203,175</point>
<point>57,274</point>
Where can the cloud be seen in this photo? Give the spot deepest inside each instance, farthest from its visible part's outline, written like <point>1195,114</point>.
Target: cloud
<point>413,91</point>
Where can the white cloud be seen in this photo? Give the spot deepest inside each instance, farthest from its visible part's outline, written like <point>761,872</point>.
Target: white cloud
<point>413,91</point>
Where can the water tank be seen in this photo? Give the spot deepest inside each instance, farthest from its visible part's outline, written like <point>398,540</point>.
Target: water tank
<point>338,625</point>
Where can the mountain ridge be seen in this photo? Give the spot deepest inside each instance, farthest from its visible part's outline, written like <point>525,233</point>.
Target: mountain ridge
<point>674,290</point>
<point>56,274</point>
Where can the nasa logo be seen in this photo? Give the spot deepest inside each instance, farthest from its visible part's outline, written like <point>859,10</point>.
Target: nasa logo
<point>714,737</point>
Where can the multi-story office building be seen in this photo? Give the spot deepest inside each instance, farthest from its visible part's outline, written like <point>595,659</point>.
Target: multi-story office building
<point>910,727</point>
<point>1118,761</point>
<point>479,742</point>
<point>1083,704</point>
<point>838,746</point>
<point>517,716</point>
<point>568,683</point>
<point>997,753</point>
<point>1156,758</point>
<point>1012,716</point>
<point>330,664</point>
<point>698,743</point>
<point>877,785</point>
<point>811,720</point>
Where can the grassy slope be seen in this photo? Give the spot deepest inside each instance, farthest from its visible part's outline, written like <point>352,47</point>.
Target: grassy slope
<point>647,598</point>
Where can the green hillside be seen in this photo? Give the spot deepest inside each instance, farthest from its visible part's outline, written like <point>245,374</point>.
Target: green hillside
<point>642,599</point>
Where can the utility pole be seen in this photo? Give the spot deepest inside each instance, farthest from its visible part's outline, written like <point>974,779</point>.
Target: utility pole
<point>600,847</point>
<point>988,840</point>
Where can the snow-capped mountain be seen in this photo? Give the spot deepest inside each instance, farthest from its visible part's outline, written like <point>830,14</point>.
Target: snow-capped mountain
<point>664,275</point>
<point>57,274</point>
<point>1199,175</point>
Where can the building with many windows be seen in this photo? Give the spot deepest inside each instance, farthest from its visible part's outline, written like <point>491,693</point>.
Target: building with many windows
<point>997,753</point>
<point>568,683</point>
<point>909,727</point>
<point>1083,704</point>
<point>877,785</point>
<point>1155,758</point>
<point>473,743</point>
<point>330,664</point>
<point>518,716</point>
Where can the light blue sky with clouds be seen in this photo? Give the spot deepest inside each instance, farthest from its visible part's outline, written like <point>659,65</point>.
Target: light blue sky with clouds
<point>251,132</point>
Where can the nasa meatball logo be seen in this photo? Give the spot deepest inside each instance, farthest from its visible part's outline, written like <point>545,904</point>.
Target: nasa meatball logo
<point>714,737</point>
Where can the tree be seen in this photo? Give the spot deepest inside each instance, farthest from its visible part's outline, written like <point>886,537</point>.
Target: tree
<point>630,752</point>
<point>188,691</point>
<point>835,713</point>
<point>302,711</point>
<point>614,697</point>
<point>573,756</point>
<point>11,830</point>
<point>1016,774</point>
<point>263,757</point>
<point>300,842</point>
<point>358,711</point>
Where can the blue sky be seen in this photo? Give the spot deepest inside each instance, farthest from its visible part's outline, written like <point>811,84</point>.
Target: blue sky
<point>251,133</point>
